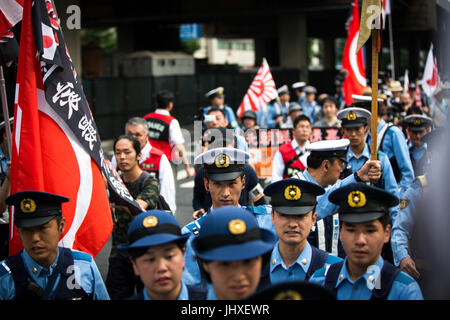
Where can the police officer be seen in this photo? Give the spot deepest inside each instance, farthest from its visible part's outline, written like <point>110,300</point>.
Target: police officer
<point>294,111</point>
<point>282,106</point>
<point>365,227</point>
<point>310,106</point>
<point>231,249</point>
<point>326,161</point>
<point>224,180</point>
<point>156,248</point>
<point>249,120</point>
<point>392,141</point>
<point>216,99</point>
<point>293,290</point>
<point>293,215</point>
<point>298,88</point>
<point>417,126</point>
<point>43,270</point>
<point>354,122</point>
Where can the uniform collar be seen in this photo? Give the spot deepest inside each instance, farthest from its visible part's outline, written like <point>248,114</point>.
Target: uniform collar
<point>184,294</point>
<point>303,260</point>
<point>370,277</point>
<point>380,125</point>
<point>295,145</point>
<point>31,265</point>
<point>365,153</point>
<point>309,177</point>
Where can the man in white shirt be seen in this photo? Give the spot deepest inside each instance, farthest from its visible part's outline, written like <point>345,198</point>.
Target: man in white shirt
<point>291,157</point>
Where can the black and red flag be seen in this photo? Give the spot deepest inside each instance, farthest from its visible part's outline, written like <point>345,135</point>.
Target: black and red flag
<point>56,145</point>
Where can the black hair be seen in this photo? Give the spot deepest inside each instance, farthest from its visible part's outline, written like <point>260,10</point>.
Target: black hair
<point>329,99</point>
<point>414,110</point>
<point>140,251</point>
<point>315,161</point>
<point>217,109</point>
<point>301,117</point>
<point>163,99</point>
<point>134,142</point>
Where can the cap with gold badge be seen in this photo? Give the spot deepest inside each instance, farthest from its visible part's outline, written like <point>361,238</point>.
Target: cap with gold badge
<point>35,208</point>
<point>293,196</point>
<point>231,234</point>
<point>283,89</point>
<point>359,202</point>
<point>417,122</point>
<point>354,117</point>
<point>217,92</point>
<point>223,164</point>
<point>152,228</point>
<point>294,290</point>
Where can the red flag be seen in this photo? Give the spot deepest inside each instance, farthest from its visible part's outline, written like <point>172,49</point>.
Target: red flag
<point>261,91</point>
<point>10,14</point>
<point>47,155</point>
<point>353,62</point>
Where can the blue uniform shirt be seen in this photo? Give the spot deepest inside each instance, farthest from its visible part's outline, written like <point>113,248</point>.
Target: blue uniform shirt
<point>297,271</point>
<point>184,294</point>
<point>86,274</point>
<point>394,145</point>
<point>403,288</point>
<point>310,110</point>
<point>404,224</point>
<point>390,184</point>
<point>266,115</point>
<point>191,273</point>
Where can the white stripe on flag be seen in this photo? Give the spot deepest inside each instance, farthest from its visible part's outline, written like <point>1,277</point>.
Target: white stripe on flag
<point>18,128</point>
<point>11,10</point>
<point>84,163</point>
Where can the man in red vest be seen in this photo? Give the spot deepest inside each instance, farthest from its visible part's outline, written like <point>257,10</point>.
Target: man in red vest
<point>164,130</point>
<point>291,157</point>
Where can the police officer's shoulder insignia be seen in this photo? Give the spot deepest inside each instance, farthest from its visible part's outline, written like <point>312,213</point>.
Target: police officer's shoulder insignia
<point>356,199</point>
<point>237,226</point>
<point>288,295</point>
<point>150,221</point>
<point>292,192</point>
<point>222,161</point>
<point>28,205</point>
<point>351,116</point>
<point>404,203</point>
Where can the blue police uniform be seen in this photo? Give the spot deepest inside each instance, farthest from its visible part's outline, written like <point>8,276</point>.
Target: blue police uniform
<point>229,115</point>
<point>153,228</point>
<point>86,275</point>
<point>402,227</point>
<point>300,269</point>
<point>295,197</point>
<point>73,275</point>
<point>358,204</point>
<point>266,116</point>
<point>404,286</point>
<point>231,234</point>
<point>394,146</point>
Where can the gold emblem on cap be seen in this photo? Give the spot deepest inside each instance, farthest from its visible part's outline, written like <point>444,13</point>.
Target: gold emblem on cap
<point>417,122</point>
<point>292,192</point>
<point>28,205</point>
<point>351,116</point>
<point>237,226</point>
<point>404,203</point>
<point>222,161</point>
<point>220,91</point>
<point>150,221</point>
<point>288,295</point>
<point>356,199</point>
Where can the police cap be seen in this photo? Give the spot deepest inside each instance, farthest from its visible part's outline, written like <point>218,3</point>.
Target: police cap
<point>293,196</point>
<point>217,92</point>
<point>35,208</point>
<point>417,122</point>
<point>359,202</point>
<point>282,90</point>
<point>327,149</point>
<point>152,228</point>
<point>231,234</point>
<point>223,164</point>
<point>354,117</point>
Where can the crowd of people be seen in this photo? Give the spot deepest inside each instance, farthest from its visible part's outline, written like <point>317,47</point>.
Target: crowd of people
<point>330,219</point>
